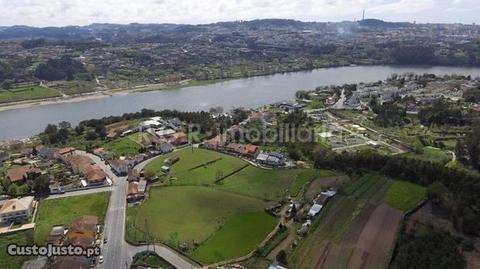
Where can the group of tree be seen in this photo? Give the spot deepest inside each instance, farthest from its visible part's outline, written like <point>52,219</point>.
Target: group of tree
<point>389,113</point>
<point>428,248</point>
<point>441,112</point>
<point>468,149</point>
<point>54,134</point>
<point>64,68</point>
<point>472,95</point>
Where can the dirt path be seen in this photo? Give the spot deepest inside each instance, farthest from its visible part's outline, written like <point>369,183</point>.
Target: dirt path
<point>323,183</point>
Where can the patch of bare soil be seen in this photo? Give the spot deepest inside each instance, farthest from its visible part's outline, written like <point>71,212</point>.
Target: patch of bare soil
<point>376,241</point>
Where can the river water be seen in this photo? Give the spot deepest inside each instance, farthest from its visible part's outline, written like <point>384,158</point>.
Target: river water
<point>246,92</point>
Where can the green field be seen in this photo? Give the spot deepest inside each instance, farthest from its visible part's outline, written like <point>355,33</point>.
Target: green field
<point>271,184</point>
<point>68,209</point>
<point>141,138</point>
<point>192,168</point>
<point>239,236</point>
<point>187,214</point>
<point>122,147</point>
<point>404,195</point>
<point>20,238</point>
<point>26,93</point>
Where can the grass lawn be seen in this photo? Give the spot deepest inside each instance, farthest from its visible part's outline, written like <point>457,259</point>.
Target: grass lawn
<point>189,170</point>
<point>184,214</point>
<point>26,93</point>
<point>239,236</point>
<point>404,195</point>
<point>123,147</point>
<point>20,238</point>
<point>270,184</point>
<point>63,211</point>
<point>141,138</point>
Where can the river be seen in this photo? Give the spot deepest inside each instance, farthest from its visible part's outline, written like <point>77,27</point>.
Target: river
<point>246,92</point>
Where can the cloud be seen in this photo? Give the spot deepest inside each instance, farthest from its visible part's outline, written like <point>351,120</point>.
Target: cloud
<point>83,12</point>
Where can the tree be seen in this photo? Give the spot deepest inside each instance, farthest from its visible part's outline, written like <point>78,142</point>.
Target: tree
<point>34,151</point>
<point>41,185</point>
<point>282,258</point>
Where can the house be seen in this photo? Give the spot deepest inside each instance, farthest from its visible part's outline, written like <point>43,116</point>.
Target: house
<point>62,153</point>
<point>216,143</point>
<point>4,156</point>
<point>78,163</point>
<point>20,174</point>
<point>178,138</point>
<point>164,133</point>
<point>119,167</point>
<point>95,176</point>
<point>136,191</point>
<point>271,159</point>
<point>16,210</point>
<point>243,150</point>
<point>164,147</point>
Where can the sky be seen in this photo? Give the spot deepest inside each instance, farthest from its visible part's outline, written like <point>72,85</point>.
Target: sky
<point>83,12</point>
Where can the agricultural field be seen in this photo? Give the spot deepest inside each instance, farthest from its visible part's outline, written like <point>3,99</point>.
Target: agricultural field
<point>355,216</point>
<point>196,166</point>
<point>123,147</point>
<point>404,195</point>
<point>26,93</point>
<point>123,125</point>
<point>203,215</point>
<point>271,184</point>
<point>21,238</point>
<point>67,210</point>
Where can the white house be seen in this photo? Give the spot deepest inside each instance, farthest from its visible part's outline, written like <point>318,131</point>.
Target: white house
<point>16,210</point>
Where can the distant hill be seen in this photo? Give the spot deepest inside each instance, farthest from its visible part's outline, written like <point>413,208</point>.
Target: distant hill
<point>374,23</point>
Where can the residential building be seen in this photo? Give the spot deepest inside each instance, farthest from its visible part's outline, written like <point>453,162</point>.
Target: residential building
<point>247,150</point>
<point>119,167</point>
<point>216,143</point>
<point>271,159</point>
<point>95,176</point>
<point>16,210</point>
<point>19,174</point>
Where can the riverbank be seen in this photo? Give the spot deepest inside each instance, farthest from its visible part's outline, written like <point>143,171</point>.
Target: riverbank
<point>106,93</point>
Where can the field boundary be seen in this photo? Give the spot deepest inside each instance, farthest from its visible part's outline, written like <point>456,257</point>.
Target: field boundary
<point>231,173</point>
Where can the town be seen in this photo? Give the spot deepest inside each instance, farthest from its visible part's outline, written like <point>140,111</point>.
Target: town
<point>169,189</point>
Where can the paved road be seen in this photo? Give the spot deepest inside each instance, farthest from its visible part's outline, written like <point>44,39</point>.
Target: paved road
<point>117,252</point>
<point>77,193</point>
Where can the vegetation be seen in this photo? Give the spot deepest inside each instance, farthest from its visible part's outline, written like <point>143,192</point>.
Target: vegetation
<point>428,248</point>
<point>64,68</point>
<point>404,195</point>
<point>19,238</point>
<point>199,213</point>
<point>67,210</point>
<point>238,237</point>
<point>123,147</point>
<point>26,93</point>
<point>196,166</point>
